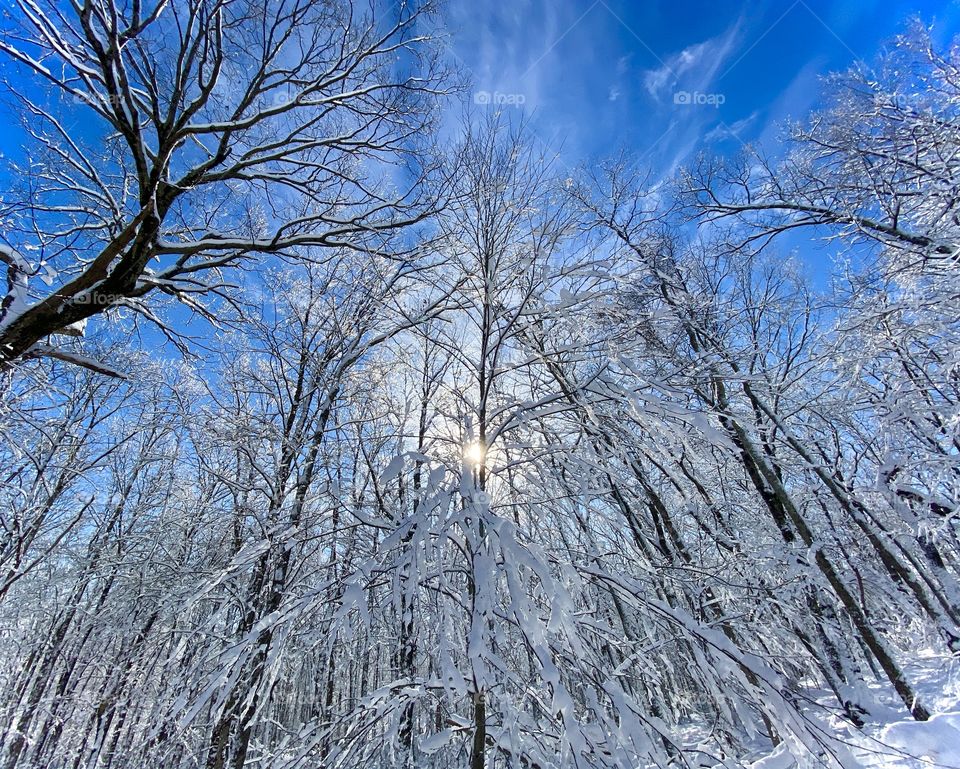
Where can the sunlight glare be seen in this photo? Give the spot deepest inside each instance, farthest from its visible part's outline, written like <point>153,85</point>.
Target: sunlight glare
<point>474,453</point>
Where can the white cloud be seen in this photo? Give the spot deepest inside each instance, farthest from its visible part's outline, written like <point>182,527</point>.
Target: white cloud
<point>733,130</point>
<point>695,68</point>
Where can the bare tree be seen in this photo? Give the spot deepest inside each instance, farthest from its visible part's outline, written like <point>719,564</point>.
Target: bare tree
<point>172,140</point>
<point>877,164</point>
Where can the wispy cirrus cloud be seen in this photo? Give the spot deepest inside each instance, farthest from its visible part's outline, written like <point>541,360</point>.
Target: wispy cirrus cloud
<point>723,131</point>
<point>666,80</point>
<point>684,89</point>
<point>696,67</point>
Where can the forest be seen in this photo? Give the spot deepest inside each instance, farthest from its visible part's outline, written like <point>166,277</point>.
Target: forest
<point>345,427</point>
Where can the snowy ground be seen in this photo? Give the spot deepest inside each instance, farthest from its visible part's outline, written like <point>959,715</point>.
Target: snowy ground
<point>899,742</point>
<point>935,743</point>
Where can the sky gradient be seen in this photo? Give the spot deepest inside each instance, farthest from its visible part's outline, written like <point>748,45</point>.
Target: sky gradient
<point>600,75</point>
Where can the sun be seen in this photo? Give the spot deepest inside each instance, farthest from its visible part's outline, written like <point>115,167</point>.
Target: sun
<point>474,453</point>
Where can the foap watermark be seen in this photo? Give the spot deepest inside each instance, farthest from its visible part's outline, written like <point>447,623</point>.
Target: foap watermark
<point>695,98</point>
<point>99,300</point>
<point>103,101</point>
<point>499,99</point>
<point>898,101</point>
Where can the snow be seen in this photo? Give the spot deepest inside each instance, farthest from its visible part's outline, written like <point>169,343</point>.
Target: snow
<point>893,741</point>
<point>937,740</point>
<point>670,540</point>
<point>781,758</point>
<point>435,742</point>
<point>902,743</point>
<point>17,293</point>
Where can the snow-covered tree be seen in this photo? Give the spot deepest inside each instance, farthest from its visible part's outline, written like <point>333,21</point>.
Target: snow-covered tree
<point>169,143</point>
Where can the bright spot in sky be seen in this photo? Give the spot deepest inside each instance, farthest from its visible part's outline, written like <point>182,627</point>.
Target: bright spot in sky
<point>474,453</point>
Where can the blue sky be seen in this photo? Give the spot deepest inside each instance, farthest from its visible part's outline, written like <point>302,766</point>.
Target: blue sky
<point>598,75</point>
